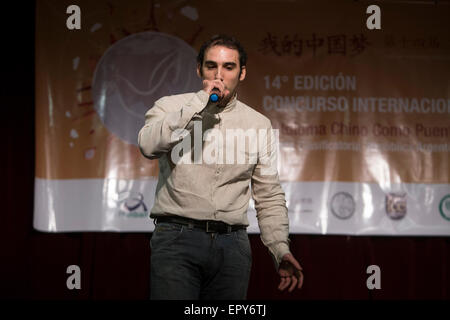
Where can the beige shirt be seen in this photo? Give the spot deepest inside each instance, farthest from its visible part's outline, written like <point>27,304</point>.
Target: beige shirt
<point>205,172</point>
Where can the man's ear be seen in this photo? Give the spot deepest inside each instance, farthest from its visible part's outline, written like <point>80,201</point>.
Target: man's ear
<point>199,70</point>
<point>243,73</point>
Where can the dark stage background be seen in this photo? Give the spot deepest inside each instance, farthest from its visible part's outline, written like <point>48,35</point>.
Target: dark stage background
<point>116,265</point>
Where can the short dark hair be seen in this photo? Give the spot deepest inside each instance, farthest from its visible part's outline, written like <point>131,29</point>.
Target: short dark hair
<point>226,41</point>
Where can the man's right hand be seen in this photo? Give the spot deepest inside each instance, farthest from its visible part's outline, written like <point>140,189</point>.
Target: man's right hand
<point>215,86</point>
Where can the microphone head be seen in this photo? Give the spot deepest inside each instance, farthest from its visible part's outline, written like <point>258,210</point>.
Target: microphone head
<point>213,97</point>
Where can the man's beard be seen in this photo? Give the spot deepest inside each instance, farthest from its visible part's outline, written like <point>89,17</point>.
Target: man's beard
<point>223,103</point>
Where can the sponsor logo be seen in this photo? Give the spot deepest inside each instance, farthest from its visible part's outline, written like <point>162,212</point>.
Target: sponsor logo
<point>396,205</point>
<point>342,205</point>
<point>131,204</point>
<point>444,207</point>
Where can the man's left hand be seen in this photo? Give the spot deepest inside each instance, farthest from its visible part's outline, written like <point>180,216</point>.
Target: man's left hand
<point>290,272</point>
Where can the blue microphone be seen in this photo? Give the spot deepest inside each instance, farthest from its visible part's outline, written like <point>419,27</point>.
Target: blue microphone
<point>213,97</point>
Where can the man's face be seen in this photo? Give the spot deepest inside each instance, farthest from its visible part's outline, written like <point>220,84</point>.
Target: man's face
<point>222,63</point>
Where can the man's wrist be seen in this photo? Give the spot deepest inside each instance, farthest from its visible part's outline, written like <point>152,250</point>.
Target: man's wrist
<point>203,97</point>
<point>278,251</point>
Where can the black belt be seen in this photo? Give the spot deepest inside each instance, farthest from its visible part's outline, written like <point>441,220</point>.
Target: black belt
<point>206,225</point>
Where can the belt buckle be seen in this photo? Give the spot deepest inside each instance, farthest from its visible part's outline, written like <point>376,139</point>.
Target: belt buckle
<point>207,227</point>
<point>213,226</point>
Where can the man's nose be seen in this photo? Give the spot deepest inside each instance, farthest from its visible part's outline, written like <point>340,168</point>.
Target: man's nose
<point>219,74</point>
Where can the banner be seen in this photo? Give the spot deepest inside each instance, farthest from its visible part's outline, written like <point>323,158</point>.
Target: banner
<point>363,114</point>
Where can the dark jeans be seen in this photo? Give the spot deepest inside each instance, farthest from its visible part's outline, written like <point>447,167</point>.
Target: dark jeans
<point>189,264</point>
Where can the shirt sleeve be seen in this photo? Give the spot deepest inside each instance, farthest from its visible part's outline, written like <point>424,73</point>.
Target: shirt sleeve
<point>269,197</point>
<point>158,135</point>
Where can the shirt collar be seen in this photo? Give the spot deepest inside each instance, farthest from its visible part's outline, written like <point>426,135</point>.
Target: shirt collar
<point>231,104</point>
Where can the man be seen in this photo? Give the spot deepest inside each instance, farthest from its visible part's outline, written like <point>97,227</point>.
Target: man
<point>200,247</point>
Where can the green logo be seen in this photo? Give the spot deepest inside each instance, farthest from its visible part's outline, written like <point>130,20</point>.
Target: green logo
<point>444,207</point>
<point>133,214</point>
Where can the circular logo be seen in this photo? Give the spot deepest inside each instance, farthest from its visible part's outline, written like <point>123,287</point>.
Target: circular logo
<point>444,207</point>
<point>135,72</point>
<point>342,205</point>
